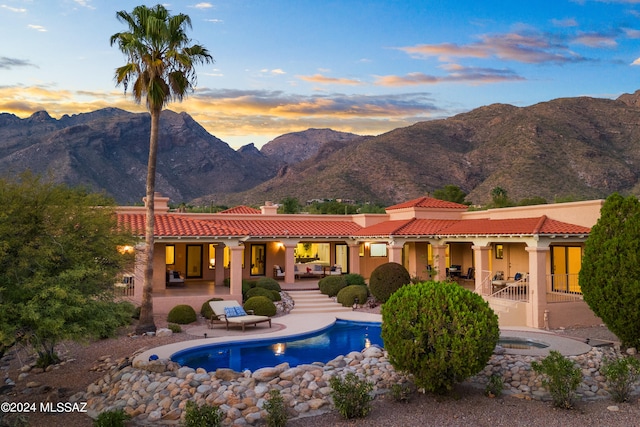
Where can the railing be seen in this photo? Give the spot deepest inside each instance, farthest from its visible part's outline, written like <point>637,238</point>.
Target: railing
<point>563,288</point>
<point>484,288</point>
<point>125,288</point>
<point>516,291</point>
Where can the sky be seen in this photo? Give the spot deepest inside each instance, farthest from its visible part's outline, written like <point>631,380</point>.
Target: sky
<point>365,67</point>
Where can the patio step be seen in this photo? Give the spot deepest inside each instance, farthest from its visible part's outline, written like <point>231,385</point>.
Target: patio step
<point>314,302</point>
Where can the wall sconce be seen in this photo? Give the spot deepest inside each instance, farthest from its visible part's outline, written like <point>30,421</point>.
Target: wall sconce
<point>355,302</point>
<point>126,249</point>
<point>212,263</point>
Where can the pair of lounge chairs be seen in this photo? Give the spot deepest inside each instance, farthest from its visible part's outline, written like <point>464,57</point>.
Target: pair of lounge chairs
<point>231,313</point>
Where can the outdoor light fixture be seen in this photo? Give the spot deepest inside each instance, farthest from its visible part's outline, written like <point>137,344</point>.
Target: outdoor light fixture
<point>279,348</point>
<point>355,302</point>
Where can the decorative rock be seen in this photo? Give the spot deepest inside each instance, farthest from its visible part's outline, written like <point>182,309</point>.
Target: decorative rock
<point>613,408</point>
<point>164,332</point>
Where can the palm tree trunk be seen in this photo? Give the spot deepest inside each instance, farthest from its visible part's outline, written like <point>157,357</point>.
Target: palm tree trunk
<point>146,322</point>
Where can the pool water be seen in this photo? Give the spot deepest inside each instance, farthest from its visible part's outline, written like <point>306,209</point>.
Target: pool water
<point>341,338</point>
<point>520,343</point>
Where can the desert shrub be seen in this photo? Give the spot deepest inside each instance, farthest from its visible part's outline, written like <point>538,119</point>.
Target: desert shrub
<point>246,285</point>
<point>268,283</point>
<point>354,279</point>
<point>175,328</point>
<point>182,314</point>
<point>402,392</point>
<point>495,385</point>
<point>262,306</point>
<point>561,378</point>
<point>276,409</point>
<point>202,416</point>
<point>351,396</point>
<point>257,291</point>
<point>439,332</point>
<point>621,375</point>
<point>331,285</point>
<point>610,273</point>
<point>347,295</point>
<point>386,279</point>
<point>205,310</point>
<point>115,418</point>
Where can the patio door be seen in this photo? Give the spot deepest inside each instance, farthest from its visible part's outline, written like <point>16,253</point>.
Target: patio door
<point>342,257</point>
<point>258,259</point>
<point>566,263</point>
<point>194,262</point>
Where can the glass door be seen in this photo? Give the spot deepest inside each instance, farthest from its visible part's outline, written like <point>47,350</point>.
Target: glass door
<point>194,261</point>
<point>342,257</point>
<point>258,259</point>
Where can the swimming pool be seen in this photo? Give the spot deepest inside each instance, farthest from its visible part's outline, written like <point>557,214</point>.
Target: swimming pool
<point>341,338</point>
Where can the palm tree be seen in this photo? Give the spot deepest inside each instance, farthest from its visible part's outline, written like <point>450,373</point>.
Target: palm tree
<point>160,66</point>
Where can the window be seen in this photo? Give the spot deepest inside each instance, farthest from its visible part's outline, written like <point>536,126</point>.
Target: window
<point>212,256</point>
<point>499,251</point>
<point>378,250</point>
<point>170,254</point>
<point>342,257</point>
<point>313,252</point>
<point>258,259</point>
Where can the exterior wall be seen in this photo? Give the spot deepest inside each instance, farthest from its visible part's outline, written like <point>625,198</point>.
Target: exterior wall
<point>567,314</point>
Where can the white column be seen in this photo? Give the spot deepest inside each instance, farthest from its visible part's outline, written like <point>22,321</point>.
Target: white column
<point>395,250</point>
<point>483,274</point>
<point>235,269</point>
<point>537,286</point>
<point>440,261</point>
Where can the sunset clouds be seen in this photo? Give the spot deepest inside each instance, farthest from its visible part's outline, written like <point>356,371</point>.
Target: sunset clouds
<point>286,66</point>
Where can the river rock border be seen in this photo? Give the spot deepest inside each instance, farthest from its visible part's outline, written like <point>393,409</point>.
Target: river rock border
<point>156,392</point>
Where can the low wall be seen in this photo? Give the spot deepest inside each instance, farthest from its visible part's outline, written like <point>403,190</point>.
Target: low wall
<point>569,314</point>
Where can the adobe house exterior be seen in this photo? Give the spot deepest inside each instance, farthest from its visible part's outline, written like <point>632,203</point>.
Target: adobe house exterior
<point>538,249</point>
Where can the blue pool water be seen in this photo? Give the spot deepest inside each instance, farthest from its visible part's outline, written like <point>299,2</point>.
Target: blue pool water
<point>341,338</point>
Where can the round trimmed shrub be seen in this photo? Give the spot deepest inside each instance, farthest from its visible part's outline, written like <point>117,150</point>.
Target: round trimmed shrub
<point>439,332</point>
<point>205,310</point>
<point>354,279</point>
<point>268,283</point>
<point>347,295</point>
<point>182,314</point>
<point>246,285</point>
<point>257,291</point>
<point>261,306</point>
<point>331,285</point>
<point>387,279</point>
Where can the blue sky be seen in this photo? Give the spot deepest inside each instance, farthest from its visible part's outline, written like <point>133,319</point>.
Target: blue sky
<point>358,66</point>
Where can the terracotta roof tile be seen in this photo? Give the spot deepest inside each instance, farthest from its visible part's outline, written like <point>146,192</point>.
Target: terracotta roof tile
<point>242,210</point>
<point>525,226</point>
<point>428,202</point>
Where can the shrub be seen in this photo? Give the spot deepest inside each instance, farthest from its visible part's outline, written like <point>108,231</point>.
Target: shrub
<point>621,375</point>
<point>402,392</point>
<point>351,396</point>
<point>202,416</point>
<point>331,285</point>
<point>610,273</point>
<point>347,295</point>
<point>175,328</point>
<point>205,310</point>
<point>495,385</point>
<point>562,378</point>
<point>439,332</point>
<point>268,283</point>
<point>386,279</point>
<point>182,314</point>
<point>254,292</point>
<point>262,306</point>
<point>354,279</point>
<point>246,285</point>
<point>115,418</point>
<point>276,410</point>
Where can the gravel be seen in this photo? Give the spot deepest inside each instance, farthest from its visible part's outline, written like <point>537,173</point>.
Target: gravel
<point>466,406</point>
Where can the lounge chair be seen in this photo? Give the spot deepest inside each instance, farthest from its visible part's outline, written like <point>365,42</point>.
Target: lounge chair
<point>278,272</point>
<point>231,313</point>
<point>174,278</point>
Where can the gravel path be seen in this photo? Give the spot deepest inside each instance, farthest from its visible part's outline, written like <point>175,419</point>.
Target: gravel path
<point>468,406</point>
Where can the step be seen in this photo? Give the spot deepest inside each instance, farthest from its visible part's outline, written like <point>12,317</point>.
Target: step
<point>312,301</point>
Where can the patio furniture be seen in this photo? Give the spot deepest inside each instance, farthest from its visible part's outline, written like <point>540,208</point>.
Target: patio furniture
<point>174,278</point>
<point>309,270</point>
<point>469,275</point>
<point>278,272</point>
<point>231,313</point>
<point>334,270</point>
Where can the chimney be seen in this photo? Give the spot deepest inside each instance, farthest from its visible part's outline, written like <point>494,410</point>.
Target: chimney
<point>269,208</point>
<point>161,204</point>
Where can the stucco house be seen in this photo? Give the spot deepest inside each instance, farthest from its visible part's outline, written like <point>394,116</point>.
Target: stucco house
<point>524,260</point>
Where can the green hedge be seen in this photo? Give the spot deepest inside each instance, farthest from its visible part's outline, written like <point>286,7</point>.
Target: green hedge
<point>182,314</point>
<point>347,295</point>
<point>268,283</point>
<point>258,291</point>
<point>331,285</point>
<point>387,279</point>
<point>261,306</point>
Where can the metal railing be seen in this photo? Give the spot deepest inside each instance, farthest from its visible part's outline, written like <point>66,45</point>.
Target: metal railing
<point>563,288</point>
<point>484,288</point>
<point>516,291</point>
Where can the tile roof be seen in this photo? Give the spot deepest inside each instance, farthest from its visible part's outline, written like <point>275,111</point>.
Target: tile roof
<point>475,227</point>
<point>428,202</point>
<point>242,209</point>
<point>171,225</point>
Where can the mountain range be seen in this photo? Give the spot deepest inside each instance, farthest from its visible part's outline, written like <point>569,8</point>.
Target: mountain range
<point>577,148</point>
